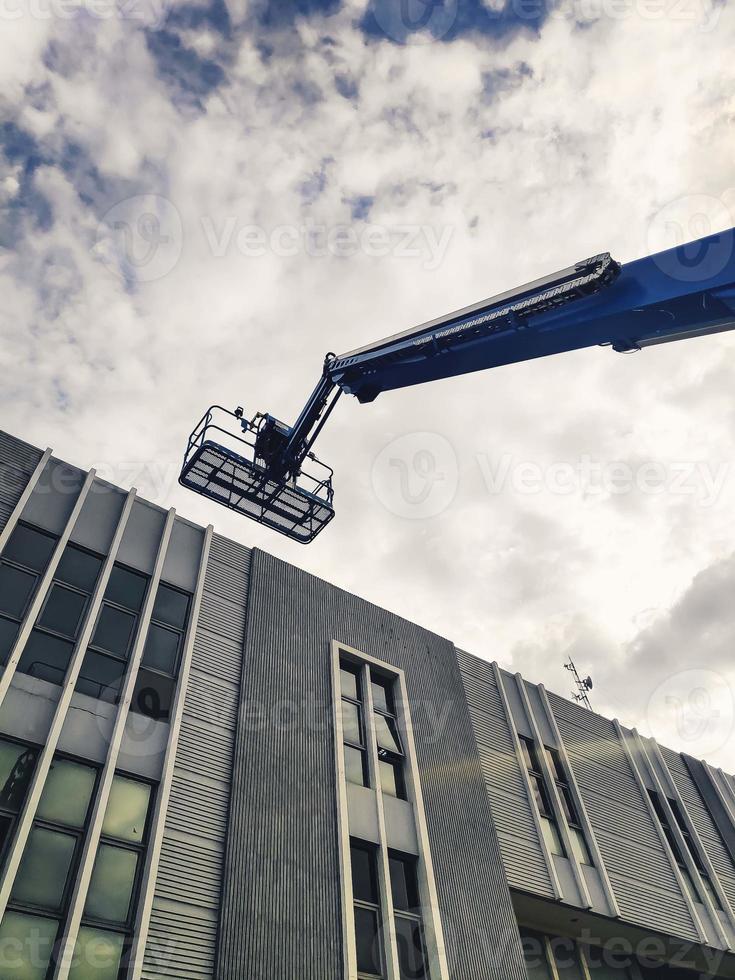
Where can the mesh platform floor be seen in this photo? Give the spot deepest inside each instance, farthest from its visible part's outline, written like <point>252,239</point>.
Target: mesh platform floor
<point>238,484</point>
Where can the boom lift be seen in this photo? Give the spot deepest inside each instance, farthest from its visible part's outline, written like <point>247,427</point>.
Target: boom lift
<point>266,470</point>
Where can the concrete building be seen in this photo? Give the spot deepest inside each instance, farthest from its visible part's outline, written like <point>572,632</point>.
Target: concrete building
<point>213,764</point>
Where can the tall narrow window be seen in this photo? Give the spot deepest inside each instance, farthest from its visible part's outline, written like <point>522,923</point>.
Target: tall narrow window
<point>366,898</point>
<point>51,643</point>
<point>407,912</point>
<point>535,955</point>
<point>705,880</point>
<point>106,659</point>
<point>159,669</point>
<point>110,907</point>
<point>549,825</point>
<point>39,901</point>
<point>17,763</point>
<point>23,562</point>
<point>387,736</point>
<point>353,726</point>
<point>579,841</point>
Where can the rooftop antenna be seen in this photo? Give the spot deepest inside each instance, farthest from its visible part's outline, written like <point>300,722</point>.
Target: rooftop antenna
<point>582,685</point>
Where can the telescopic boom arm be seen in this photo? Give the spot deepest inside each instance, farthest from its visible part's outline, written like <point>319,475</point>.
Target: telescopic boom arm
<point>685,292</point>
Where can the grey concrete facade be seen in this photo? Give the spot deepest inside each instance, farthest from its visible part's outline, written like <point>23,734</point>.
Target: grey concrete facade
<point>241,872</point>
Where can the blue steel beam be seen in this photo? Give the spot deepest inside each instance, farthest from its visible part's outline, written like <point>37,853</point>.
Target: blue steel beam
<point>682,292</point>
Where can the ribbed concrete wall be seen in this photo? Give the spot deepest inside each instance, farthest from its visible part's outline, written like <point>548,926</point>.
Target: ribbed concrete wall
<point>182,940</point>
<point>18,460</point>
<point>281,902</point>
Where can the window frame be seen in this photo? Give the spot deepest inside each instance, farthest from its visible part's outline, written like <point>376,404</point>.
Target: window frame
<point>432,936</point>
<point>13,816</point>
<point>73,640</point>
<point>80,834</point>
<point>540,795</point>
<point>107,654</point>
<point>181,633</point>
<point>28,570</point>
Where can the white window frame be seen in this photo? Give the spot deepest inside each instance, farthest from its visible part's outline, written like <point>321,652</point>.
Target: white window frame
<point>432,926</point>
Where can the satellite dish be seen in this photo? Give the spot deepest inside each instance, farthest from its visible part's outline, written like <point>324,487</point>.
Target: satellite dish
<point>588,683</point>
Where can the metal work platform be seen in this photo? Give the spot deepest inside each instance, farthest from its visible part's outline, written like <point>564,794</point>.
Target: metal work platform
<point>223,465</point>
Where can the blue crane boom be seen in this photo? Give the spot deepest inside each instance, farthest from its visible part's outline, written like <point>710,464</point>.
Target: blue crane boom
<point>266,470</point>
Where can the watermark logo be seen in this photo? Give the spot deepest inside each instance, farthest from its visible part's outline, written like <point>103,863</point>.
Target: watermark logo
<point>698,705</point>
<point>147,13</point>
<point>415,21</point>
<point>416,475</point>
<point>677,228</point>
<point>140,239</point>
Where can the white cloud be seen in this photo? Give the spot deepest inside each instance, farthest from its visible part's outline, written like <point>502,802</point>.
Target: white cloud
<point>586,136</point>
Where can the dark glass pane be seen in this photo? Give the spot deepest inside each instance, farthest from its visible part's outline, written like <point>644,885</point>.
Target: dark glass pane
<point>16,768</point>
<point>534,954</point>
<point>382,694</point>
<point>114,630</point>
<point>403,883</point>
<point>153,695</point>
<point>66,793</point>
<point>97,955</point>
<point>386,733</point>
<point>349,683</point>
<point>355,771</point>
<point>27,942</point>
<point>556,765</point>
<point>351,728</point>
<point>391,778</point>
<point>126,588</point>
<point>411,959</point>
<point>63,611</point>
<point>100,677</point>
<point>30,547</point>
<point>111,887</point>
<point>6,825</point>
<point>171,607</point>
<point>8,633</point>
<point>567,804</point>
<point>79,568</point>
<point>364,877</point>
<point>16,588</point>
<point>162,649</point>
<point>529,754</point>
<point>367,937</point>
<point>566,959</point>
<point>127,810</point>
<point>44,869</point>
<point>46,656</point>
<point>542,797</point>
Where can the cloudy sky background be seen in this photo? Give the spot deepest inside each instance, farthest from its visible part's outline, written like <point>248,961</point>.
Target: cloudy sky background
<point>579,505</point>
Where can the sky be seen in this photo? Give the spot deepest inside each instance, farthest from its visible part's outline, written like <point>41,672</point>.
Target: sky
<point>200,200</point>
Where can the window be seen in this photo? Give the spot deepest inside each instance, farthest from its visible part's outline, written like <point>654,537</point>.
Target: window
<point>23,562</point>
<point>535,955</point>
<point>407,914</point>
<point>353,729</point>
<point>579,842</point>
<point>154,689</point>
<point>390,750</point>
<point>705,880</point>
<point>366,897</point>
<point>110,906</point>
<point>566,957</point>
<point>106,659</point>
<point>51,643</point>
<point>549,826</point>
<point>17,763</point>
<point>41,891</point>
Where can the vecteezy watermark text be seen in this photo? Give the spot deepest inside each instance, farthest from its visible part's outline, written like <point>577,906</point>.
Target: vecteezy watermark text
<point>423,242</point>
